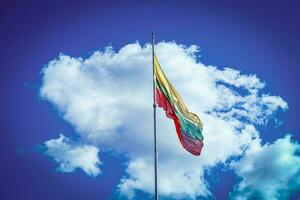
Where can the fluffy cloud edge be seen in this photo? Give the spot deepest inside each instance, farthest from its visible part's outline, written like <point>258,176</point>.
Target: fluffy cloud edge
<point>269,171</point>
<point>71,156</point>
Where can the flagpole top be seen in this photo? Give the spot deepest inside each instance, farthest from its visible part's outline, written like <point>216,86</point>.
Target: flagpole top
<point>153,36</point>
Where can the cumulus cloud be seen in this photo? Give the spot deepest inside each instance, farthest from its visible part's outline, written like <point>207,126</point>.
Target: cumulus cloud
<point>107,97</point>
<point>271,171</point>
<point>71,156</point>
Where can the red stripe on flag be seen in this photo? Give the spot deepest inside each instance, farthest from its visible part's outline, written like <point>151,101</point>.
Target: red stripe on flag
<point>191,145</point>
<point>163,103</point>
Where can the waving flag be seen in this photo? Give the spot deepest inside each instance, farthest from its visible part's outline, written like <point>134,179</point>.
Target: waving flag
<point>188,125</point>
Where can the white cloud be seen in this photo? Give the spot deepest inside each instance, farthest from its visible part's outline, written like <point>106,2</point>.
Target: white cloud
<point>107,97</point>
<point>71,156</point>
<point>271,171</point>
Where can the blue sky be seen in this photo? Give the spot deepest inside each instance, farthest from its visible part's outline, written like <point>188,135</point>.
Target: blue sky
<point>258,37</point>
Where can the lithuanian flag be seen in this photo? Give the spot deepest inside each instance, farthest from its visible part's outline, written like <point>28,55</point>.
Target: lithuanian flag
<point>188,125</point>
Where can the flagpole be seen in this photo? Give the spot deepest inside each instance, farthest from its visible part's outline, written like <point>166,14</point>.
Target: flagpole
<point>154,120</point>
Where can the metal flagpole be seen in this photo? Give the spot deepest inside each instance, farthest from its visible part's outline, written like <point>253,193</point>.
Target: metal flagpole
<point>154,118</point>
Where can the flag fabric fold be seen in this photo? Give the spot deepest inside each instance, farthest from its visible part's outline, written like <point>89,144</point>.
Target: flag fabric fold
<point>188,125</point>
